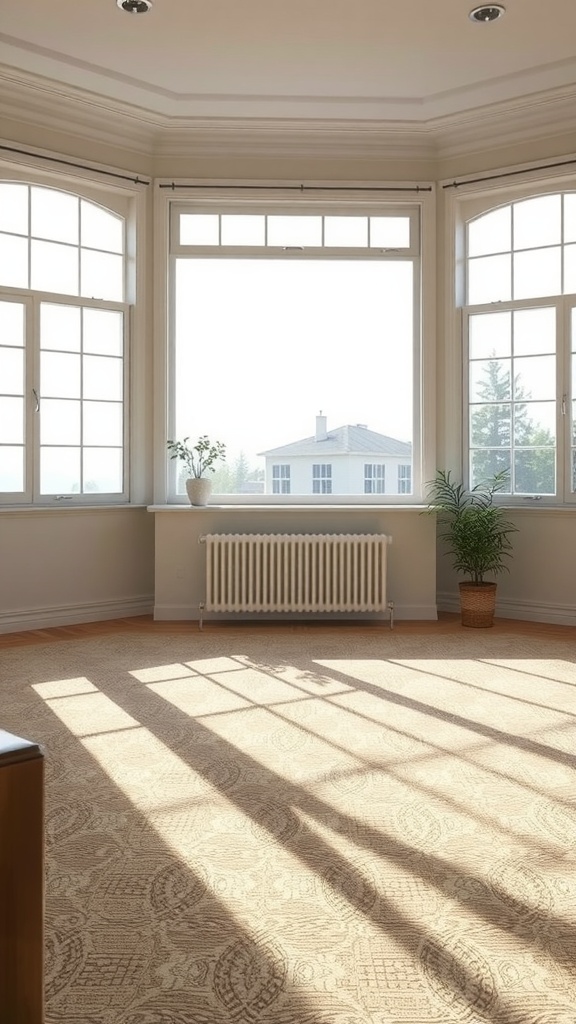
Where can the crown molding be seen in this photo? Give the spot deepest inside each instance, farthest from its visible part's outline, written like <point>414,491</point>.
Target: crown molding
<point>39,103</point>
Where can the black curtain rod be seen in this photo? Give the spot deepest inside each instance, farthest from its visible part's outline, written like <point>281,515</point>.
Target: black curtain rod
<point>509,174</point>
<point>69,163</point>
<point>304,188</point>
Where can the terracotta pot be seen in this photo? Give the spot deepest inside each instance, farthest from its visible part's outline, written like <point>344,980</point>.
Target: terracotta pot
<point>477,604</point>
<point>198,489</point>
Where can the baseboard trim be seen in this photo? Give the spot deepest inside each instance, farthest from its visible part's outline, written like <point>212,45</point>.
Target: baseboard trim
<point>72,614</point>
<point>179,612</point>
<point>529,611</point>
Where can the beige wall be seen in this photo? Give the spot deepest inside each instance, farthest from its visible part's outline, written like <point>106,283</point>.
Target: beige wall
<point>62,566</point>
<point>180,558</point>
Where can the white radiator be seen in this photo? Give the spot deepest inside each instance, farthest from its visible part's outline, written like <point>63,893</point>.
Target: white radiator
<point>295,573</point>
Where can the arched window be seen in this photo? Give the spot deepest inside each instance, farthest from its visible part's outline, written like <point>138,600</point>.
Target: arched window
<point>520,318</point>
<point>62,347</point>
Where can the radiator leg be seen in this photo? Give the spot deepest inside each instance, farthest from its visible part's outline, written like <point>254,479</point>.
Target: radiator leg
<point>200,620</point>
<point>391,610</point>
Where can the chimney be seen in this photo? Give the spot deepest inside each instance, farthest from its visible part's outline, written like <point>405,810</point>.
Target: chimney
<point>321,434</point>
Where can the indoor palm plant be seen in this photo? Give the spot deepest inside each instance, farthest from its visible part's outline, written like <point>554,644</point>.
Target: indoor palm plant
<point>477,533</point>
<point>199,459</point>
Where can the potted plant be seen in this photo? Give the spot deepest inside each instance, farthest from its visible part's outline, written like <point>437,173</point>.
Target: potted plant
<point>199,458</point>
<point>478,536</point>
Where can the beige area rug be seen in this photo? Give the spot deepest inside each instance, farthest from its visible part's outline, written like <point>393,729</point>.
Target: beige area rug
<point>305,828</point>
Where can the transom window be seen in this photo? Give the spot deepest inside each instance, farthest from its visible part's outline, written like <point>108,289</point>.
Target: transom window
<point>258,229</point>
<point>521,288</point>
<point>62,359</point>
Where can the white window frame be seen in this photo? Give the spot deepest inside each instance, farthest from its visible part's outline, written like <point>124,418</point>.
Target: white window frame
<point>127,200</point>
<point>322,478</point>
<point>171,200</point>
<point>463,205</point>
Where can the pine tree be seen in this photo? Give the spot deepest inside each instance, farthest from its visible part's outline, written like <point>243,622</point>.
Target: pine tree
<point>504,437</point>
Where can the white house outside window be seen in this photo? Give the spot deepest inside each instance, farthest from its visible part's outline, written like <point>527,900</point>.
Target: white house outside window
<point>274,290</point>
<point>521,293</point>
<point>62,347</point>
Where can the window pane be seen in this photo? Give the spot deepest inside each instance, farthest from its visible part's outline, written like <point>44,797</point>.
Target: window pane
<point>535,472</point>
<point>490,380</point>
<point>243,230</point>
<point>294,231</point>
<point>59,375</point>
<point>320,311</point>
<point>60,470</point>
<point>13,261</point>
<point>101,275</point>
<point>534,331</point>
<point>199,229</point>
<point>535,377</point>
<point>11,420</point>
<point>11,468</point>
<point>538,222</point>
<point>570,217</point>
<point>390,232</point>
<point>484,465</point>
<point>12,323</point>
<point>102,423</point>
<point>489,279</point>
<point>59,327</point>
<point>569,269</point>
<point>490,334</point>
<point>535,424</point>
<point>537,273</point>
<point>490,426</point>
<point>60,421</point>
<point>54,268</point>
<point>100,229</point>
<point>491,233</point>
<point>103,470</point>
<point>14,208</point>
<point>103,332</point>
<point>102,378</point>
<point>54,215</point>
<point>11,371</point>
<point>346,231</point>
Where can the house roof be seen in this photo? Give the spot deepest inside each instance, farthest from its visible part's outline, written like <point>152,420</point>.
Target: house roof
<point>347,440</point>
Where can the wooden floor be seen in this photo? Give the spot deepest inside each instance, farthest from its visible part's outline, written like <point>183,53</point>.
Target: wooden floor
<point>447,624</point>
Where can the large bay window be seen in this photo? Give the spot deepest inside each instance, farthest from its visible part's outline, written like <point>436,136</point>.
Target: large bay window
<point>279,313</point>
<point>62,348</point>
<point>519,335</point>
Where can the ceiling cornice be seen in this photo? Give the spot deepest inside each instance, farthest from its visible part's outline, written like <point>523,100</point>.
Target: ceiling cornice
<point>36,101</point>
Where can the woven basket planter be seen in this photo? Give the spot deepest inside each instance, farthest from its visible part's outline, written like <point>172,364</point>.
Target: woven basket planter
<point>477,604</point>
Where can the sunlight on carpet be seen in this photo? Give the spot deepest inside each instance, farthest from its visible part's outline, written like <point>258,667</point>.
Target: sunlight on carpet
<point>306,829</point>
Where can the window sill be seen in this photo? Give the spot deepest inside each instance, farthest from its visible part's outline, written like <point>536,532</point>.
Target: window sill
<point>325,508</point>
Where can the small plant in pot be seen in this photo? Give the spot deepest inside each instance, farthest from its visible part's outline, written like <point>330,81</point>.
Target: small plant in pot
<point>477,533</point>
<point>199,459</point>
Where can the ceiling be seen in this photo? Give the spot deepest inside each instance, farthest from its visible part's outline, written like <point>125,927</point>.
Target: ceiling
<point>411,63</point>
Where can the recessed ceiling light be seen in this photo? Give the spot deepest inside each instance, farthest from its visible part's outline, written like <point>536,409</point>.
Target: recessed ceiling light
<point>134,6</point>
<point>489,13</point>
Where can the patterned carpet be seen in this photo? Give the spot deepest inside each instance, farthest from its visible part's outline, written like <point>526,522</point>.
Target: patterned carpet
<point>305,828</point>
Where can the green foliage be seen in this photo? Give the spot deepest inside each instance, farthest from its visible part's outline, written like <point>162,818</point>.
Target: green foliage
<point>198,457</point>
<point>476,530</point>
<point>495,438</point>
